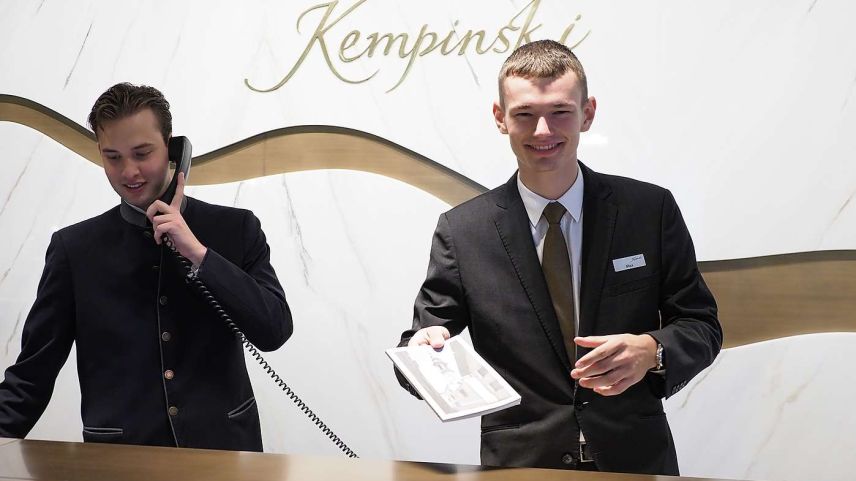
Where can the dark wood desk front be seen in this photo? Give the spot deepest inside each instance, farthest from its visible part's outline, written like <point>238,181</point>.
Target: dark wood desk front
<point>55,461</point>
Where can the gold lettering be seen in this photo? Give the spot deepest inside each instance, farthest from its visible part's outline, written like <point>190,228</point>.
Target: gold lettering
<point>444,50</point>
<point>564,38</point>
<point>356,45</point>
<point>444,45</point>
<point>376,38</point>
<point>502,38</point>
<point>431,46</point>
<point>465,42</point>
<point>349,41</point>
<point>317,37</point>
<point>415,52</point>
<point>526,31</point>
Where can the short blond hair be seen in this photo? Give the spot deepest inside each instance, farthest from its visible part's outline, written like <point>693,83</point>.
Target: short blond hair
<point>542,59</point>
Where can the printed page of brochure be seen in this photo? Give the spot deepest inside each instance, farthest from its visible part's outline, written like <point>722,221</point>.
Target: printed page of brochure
<point>456,382</point>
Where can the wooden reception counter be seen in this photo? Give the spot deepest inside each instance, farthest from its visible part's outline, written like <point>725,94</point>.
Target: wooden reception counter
<point>54,461</point>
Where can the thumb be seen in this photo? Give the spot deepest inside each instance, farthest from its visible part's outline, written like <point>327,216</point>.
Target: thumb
<point>437,337</point>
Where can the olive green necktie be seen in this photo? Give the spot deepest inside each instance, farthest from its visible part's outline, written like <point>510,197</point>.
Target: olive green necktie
<point>557,270</point>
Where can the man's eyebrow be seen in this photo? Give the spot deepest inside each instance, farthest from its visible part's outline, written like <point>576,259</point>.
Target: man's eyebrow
<point>555,105</point>
<point>142,146</point>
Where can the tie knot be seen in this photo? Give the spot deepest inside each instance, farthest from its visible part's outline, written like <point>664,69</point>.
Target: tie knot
<point>554,212</point>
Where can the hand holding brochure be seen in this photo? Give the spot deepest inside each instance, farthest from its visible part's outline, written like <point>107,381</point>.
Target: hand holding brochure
<point>456,382</point>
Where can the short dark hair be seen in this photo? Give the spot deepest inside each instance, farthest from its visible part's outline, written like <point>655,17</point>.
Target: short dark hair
<point>543,59</point>
<point>124,99</point>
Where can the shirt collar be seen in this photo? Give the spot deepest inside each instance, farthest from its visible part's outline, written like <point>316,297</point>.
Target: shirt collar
<point>572,200</point>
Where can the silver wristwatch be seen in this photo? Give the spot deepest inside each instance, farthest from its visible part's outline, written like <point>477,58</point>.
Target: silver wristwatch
<point>659,358</point>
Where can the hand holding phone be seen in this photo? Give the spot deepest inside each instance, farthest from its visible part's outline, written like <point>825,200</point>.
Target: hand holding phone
<point>167,220</point>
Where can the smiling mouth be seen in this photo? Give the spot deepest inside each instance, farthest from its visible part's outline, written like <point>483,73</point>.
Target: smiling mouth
<point>545,147</point>
<point>136,186</point>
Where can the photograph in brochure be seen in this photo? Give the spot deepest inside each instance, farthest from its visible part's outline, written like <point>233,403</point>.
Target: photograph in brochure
<point>455,381</point>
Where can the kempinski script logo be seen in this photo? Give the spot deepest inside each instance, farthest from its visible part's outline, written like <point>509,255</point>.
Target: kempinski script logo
<point>327,39</point>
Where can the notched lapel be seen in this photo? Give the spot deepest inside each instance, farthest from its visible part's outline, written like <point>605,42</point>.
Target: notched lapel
<point>599,215</point>
<point>512,224</point>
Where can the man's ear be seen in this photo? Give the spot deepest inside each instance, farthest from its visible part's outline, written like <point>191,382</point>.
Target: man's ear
<point>499,118</point>
<point>588,114</point>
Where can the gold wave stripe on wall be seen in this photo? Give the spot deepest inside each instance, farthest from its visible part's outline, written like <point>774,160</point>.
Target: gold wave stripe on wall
<point>291,149</point>
<point>759,298</point>
<point>762,298</point>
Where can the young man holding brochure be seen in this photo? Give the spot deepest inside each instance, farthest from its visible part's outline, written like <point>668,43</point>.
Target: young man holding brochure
<point>581,289</point>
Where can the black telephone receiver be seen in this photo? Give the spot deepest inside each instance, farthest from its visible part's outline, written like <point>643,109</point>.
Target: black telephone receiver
<point>180,154</point>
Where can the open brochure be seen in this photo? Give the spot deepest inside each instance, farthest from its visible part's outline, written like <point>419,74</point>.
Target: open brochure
<point>456,382</point>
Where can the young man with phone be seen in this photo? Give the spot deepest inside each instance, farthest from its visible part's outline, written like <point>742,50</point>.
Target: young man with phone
<point>156,364</point>
<point>580,288</point>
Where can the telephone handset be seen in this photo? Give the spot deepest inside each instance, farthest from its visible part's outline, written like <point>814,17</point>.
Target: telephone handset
<point>180,154</point>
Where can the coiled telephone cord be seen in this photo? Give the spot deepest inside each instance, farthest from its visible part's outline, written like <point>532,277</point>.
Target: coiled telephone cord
<point>192,279</point>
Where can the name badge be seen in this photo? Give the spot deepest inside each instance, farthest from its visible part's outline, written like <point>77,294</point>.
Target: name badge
<point>631,262</point>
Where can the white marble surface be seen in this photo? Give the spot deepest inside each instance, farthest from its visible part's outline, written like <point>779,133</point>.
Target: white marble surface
<point>777,410</point>
<point>745,111</point>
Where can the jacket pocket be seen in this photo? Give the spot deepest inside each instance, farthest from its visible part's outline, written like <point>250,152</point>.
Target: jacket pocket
<point>499,427</point>
<point>631,286</point>
<point>102,435</point>
<point>242,409</point>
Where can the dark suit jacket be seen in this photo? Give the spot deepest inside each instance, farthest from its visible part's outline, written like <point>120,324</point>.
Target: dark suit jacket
<point>484,275</point>
<point>122,299</point>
